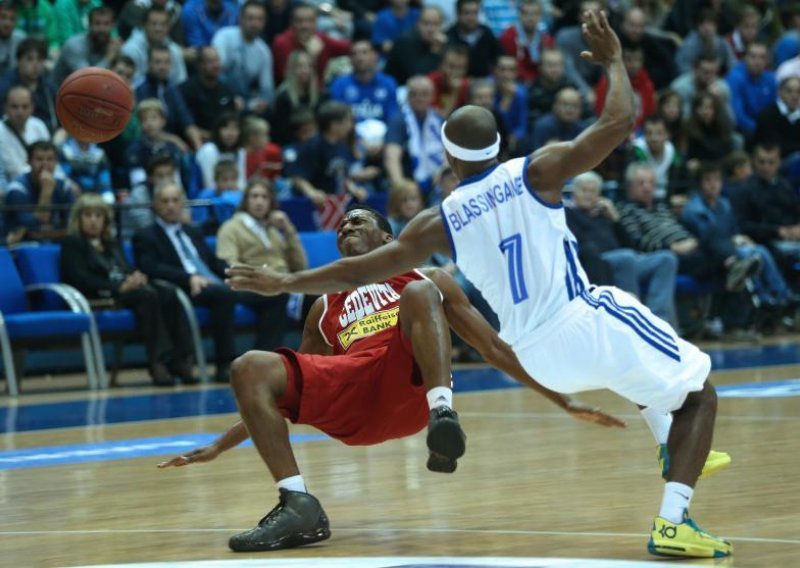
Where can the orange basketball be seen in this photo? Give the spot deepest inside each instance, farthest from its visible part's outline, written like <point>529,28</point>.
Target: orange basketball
<point>94,104</point>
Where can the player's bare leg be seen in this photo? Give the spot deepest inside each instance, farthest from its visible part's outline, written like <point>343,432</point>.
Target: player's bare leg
<point>674,533</point>
<point>423,321</point>
<point>690,436</point>
<point>660,423</point>
<point>258,380</point>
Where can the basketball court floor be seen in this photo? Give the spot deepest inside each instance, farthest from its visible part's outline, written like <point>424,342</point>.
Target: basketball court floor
<point>79,484</point>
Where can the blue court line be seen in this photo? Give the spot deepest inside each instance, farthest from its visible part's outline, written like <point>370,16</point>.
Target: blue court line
<point>211,401</point>
<point>118,450</point>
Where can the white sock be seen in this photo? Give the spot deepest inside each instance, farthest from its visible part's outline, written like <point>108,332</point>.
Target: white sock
<point>677,498</point>
<point>659,423</point>
<point>293,483</point>
<point>440,396</point>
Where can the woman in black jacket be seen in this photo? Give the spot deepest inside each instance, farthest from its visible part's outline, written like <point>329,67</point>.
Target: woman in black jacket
<point>93,262</point>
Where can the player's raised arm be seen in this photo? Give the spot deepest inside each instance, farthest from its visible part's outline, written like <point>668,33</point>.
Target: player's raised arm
<point>550,166</point>
<point>472,327</point>
<point>423,236</point>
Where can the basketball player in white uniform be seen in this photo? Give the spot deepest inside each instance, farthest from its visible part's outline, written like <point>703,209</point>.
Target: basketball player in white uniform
<point>506,229</point>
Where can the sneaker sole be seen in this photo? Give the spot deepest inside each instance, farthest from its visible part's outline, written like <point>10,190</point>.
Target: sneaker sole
<point>441,464</point>
<point>685,551</point>
<point>447,439</point>
<point>290,541</point>
<point>712,466</point>
<point>717,464</point>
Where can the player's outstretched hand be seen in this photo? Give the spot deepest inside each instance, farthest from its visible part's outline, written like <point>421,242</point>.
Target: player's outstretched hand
<point>262,280</point>
<point>593,414</point>
<point>603,43</point>
<point>200,455</point>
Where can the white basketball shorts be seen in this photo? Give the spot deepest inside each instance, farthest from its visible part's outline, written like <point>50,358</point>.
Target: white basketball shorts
<point>606,339</point>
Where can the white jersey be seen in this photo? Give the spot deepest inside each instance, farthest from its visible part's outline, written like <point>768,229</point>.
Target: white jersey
<point>514,247</point>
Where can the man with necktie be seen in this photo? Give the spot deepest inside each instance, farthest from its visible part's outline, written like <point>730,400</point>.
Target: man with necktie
<point>176,252</point>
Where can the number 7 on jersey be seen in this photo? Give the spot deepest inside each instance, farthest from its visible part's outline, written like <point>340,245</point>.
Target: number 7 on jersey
<point>511,247</point>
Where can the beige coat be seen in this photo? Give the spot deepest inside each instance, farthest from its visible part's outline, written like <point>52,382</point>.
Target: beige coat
<point>236,244</point>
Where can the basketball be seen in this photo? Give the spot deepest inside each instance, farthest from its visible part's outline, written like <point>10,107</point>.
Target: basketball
<point>94,104</point>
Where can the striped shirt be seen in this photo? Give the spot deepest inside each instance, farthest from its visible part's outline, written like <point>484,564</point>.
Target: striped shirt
<point>651,229</point>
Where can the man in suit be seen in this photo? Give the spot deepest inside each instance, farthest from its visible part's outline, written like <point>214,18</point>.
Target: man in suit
<point>176,252</point>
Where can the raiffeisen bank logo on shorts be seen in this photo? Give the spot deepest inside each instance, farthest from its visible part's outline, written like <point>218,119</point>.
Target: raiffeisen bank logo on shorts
<point>369,325</point>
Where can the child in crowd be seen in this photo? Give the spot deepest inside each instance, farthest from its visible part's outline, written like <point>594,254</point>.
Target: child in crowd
<point>264,158</point>
<point>737,168</point>
<point>225,144</point>
<point>368,170</point>
<point>87,166</point>
<point>225,196</point>
<point>153,141</point>
<point>405,202</point>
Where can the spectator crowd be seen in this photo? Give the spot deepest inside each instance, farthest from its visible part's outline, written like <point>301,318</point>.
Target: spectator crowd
<point>244,106</point>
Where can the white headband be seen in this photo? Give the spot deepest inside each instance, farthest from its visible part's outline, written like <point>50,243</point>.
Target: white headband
<point>469,154</point>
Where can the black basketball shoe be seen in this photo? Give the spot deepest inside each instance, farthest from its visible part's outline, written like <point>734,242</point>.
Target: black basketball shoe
<point>296,520</point>
<point>446,440</point>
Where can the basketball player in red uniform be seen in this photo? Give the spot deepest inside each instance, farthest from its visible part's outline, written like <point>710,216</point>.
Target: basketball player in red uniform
<point>373,365</point>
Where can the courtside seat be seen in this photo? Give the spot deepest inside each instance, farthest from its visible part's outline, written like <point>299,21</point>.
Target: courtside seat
<point>40,264</point>
<point>25,321</point>
<point>115,321</point>
<point>42,324</point>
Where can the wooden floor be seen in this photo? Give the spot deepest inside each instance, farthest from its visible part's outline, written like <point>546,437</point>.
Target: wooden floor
<point>534,483</point>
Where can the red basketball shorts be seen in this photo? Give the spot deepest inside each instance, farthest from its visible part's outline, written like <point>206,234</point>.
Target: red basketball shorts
<point>363,398</point>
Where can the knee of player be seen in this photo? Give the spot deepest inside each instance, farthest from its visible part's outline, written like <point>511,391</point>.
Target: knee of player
<point>254,367</point>
<point>422,293</point>
<point>707,396</point>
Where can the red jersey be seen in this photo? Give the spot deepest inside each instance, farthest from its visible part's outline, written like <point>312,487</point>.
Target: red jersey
<point>364,318</point>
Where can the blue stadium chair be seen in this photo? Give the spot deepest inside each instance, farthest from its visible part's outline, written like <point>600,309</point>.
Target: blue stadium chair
<point>39,265</point>
<point>320,247</point>
<point>35,327</point>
